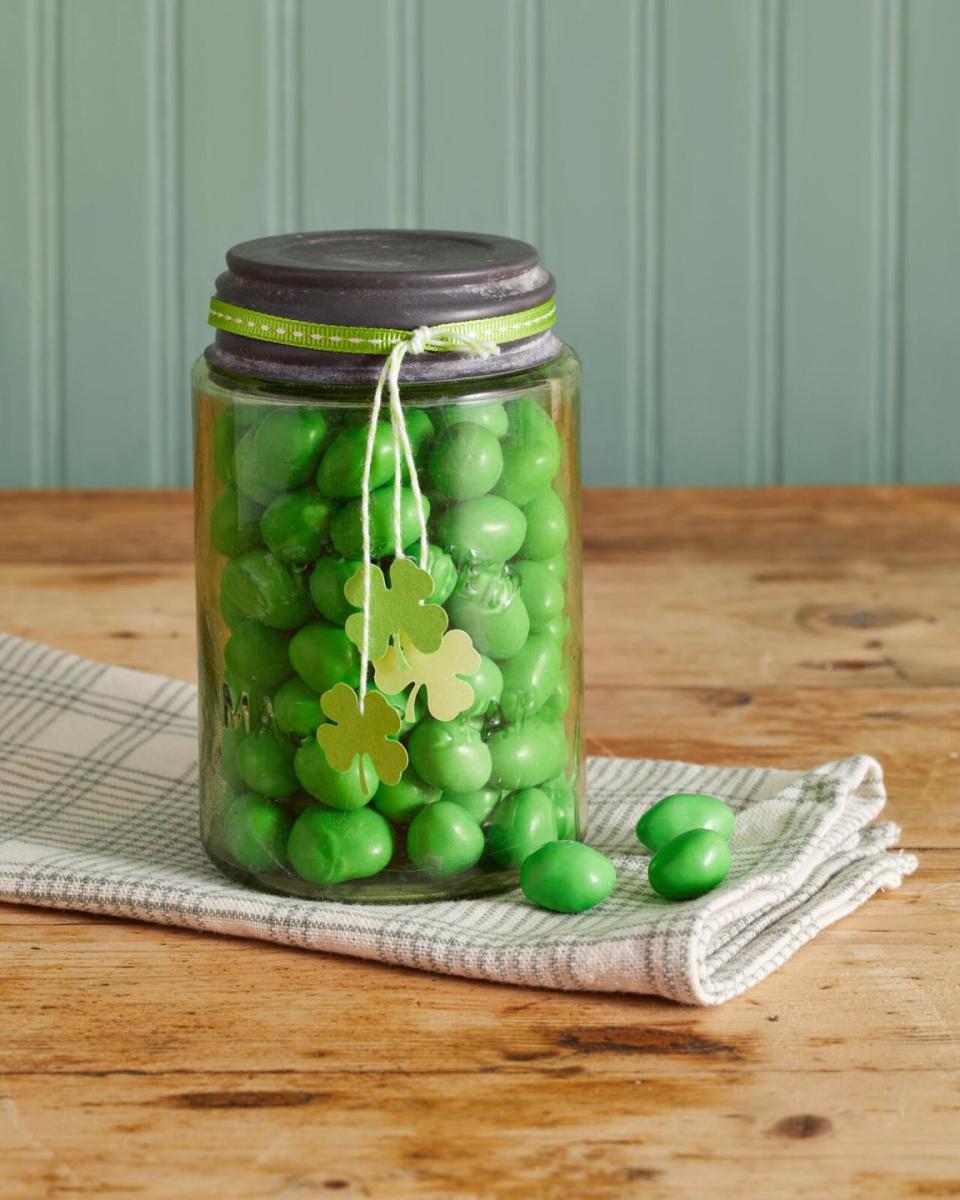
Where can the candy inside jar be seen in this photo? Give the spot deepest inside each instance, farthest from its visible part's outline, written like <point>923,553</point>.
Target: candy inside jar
<point>389,601</point>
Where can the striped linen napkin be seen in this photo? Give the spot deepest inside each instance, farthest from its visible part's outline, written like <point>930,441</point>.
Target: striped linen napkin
<point>98,812</point>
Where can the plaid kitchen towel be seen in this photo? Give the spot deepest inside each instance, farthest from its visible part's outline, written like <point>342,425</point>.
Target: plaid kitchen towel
<point>98,812</point>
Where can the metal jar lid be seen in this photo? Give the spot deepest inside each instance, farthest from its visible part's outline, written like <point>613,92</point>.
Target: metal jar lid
<point>393,278</point>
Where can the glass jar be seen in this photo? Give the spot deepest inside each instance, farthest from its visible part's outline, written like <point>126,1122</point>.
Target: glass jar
<point>457,786</point>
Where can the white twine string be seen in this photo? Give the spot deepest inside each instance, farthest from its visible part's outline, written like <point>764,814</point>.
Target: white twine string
<point>421,340</point>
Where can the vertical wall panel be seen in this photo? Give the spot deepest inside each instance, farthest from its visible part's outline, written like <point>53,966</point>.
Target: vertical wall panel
<point>829,303</point>
<point>931,313</point>
<point>22,249</point>
<point>706,242</point>
<point>106,281</point>
<point>585,210</point>
<point>751,209</point>
<point>468,115</point>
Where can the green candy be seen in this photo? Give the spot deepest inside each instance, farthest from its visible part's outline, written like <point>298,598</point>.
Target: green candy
<point>346,529</point>
<point>530,421</point>
<point>340,473</point>
<point>489,529</point>
<point>465,462</point>
<point>421,433</point>
<point>547,529</point>
<point>234,524</point>
<point>443,572</point>
<point>259,654</point>
<point>224,439</point>
<point>402,801</point>
<point>689,865</point>
<point>563,794</point>
<point>337,789</point>
<point>232,616</point>
<point>530,677</point>
<point>487,684</point>
<point>450,755</point>
<point>677,814</point>
<point>444,839</point>
<point>288,445</point>
<point>331,847</point>
<point>262,587</point>
<point>528,468</point>
<point>541,591</point>
<point>479,803</point>
<point>487,605</point>
<point>526,754</point>
<point>558,703</point>
<point>522,823</point>
<point>265,763</point>
<point>230,741</point>
<point>492,417</point>
<point>246,699</point>
<point>247,465</point>
<point>557,629</point>
<point>557,566</point>
<point>295,525</point>
<point>326,588</point>
<point>254,830</point>
<point>296,707</point>
<point>323,655</point>
<point>567,877</point>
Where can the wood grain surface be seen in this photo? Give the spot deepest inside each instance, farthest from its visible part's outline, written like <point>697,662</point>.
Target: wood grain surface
<point>783,627</point>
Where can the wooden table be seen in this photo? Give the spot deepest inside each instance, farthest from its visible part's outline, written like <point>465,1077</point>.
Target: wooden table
<point>730,626</point>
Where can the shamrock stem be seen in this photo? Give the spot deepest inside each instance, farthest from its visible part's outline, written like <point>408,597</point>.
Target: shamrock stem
<point>411,713</point>
<point>363,777</point>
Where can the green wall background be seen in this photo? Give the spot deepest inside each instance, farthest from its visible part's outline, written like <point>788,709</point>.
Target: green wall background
<point>751,207</point>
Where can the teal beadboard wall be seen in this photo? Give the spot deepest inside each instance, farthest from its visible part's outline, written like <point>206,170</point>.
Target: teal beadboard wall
<point>752,207</point>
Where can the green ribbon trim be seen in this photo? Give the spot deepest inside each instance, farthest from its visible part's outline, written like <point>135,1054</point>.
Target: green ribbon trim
<point>360,339</point>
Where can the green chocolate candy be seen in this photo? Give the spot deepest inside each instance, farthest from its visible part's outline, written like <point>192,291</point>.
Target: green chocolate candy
<point>443,572</point>
<point>526,754</point>
<point>264,588</point>
<point>327,581</point>
<point>541,591</point>
<point>559,702</point>
<point>337,789</point>
<point>449,755</point>
<point>323,655</point>
<point>234,524</point>
<point>230,741</point>
<point>224,442</point>
<point>557,565</point>
<point>465,462</point>
<point>528,468</point>
<point>295,525</point>
<point>488,529</point>
<point>232,616</point>
<point>531,422</point>
<point>557,629</point>
<point>492,417</point>
<point>547,526</point>
<point>421,433</point>
<point>288,445</point>
<point>265,763</point>
<point>479,803</point>
<point>488,606</point>
<point>346,529</point>
<point>258,653</point>
<point>254,831</point>
<point>331,847</point>
<point>246,699</point>
<point>563,794</point>
<point>444,839</point>
<point>689,865</point>
<point>530,677</point>
<point>297,709</point>
<point>400,802</point>
<point>675,814</point>
<point>341,470</point>
<point>522,823</point>
<point>487,684</point>
<point>567,877</point>
<point>247,463</point>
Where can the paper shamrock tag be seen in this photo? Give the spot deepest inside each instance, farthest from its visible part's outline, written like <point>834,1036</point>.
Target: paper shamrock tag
<point>360,733</point>
<point>399,607</point>
<point>447,694</point>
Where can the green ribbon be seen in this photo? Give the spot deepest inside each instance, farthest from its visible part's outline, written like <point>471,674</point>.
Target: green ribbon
<point>362,339</point>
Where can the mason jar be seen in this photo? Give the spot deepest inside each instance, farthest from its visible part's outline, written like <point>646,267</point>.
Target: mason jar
<point>388,566</point>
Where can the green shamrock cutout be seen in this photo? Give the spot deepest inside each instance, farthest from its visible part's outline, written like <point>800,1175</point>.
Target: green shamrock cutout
<point>399,607</point>
<point>355,732</point>
<point>439,672</point>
